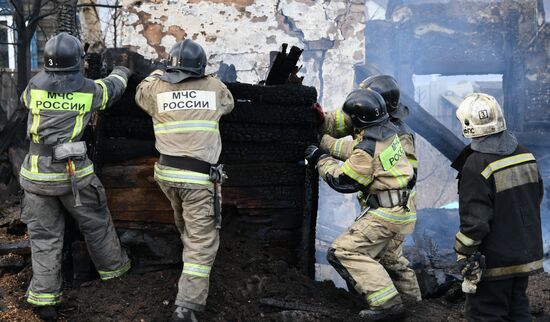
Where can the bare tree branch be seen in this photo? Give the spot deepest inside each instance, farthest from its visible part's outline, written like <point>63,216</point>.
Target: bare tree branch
<point>6,26</point>
<point>20,13</point>
<point>35,20</point>
<point>45,3</point>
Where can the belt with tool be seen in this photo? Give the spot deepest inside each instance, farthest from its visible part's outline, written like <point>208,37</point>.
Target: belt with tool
<point>63,152</point>
<point>215,171</point>
<point>388,198</point>
<point>45,150</point>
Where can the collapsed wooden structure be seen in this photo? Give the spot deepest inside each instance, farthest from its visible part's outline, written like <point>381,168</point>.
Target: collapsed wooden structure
<point>270,192</point>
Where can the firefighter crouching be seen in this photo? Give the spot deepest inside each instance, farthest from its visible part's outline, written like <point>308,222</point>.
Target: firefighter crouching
<point>186,106</point>
<point>337,124</point>
<point>379,167</point>
<point>500,190</point>
<point>57,176</point>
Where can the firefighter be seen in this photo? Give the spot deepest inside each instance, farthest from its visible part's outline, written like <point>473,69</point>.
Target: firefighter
<point>499,243</point>
<point>56,174</point>
<point>186,106</point>
<point>387,86</point>
<point>378,166</point>
<point>338,124</point>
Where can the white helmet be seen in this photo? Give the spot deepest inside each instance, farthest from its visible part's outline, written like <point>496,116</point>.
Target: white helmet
<point>480,115</point>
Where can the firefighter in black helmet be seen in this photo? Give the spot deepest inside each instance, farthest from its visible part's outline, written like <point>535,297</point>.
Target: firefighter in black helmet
<point>186,106</point>
<point>378,167</point>
<point>57,175</point>
<point>187,60</point>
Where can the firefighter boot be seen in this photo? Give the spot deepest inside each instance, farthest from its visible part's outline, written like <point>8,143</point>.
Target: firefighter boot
<point>182,314</point>
<point>46,313</point>
<point>394,313</point>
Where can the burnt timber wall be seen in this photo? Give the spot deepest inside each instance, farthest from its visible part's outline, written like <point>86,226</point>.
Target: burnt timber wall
<point>268,191</point>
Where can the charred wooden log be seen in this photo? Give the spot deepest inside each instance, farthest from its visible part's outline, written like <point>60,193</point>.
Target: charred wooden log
<point>142,129</point>
<point>283,65</point>
<point>17,247</point>
<point>263,144</point>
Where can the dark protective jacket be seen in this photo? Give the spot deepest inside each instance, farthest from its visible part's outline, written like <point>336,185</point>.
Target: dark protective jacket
<point>499,201</point>
<point>56,118</point>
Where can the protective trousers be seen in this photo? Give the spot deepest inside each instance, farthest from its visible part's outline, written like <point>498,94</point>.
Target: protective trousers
<point>45,219</point>
<point>195,220</point>
<point>369,256</point>
<point>499,300</point>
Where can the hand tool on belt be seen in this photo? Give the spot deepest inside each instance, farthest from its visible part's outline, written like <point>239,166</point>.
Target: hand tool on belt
<point>388,198</point>
<point>64,152</point>
<point>214,171</point>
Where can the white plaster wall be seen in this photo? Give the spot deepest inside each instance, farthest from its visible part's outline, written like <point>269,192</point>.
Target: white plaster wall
<point>243,32</point>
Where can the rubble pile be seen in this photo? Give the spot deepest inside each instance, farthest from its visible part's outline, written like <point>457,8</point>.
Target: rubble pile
<point>248,283</point>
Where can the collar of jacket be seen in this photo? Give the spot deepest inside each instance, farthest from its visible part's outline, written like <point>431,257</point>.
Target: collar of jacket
<point>502,143</point>
<point>381,131</point>
<point>175,75</point>
<point>459,162</point>
<point>401,112</point>
<point>59,82</point>
<point>402,127</point>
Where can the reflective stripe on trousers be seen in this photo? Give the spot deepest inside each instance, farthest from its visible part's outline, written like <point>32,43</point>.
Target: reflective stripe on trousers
<point>196,269</point>
<point>380,297</point>
<point>107,275</point>
<point>42,299</point>
<point>392,216</point>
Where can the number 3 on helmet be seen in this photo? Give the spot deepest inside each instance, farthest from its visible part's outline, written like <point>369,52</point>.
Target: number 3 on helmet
<point>480,115</point>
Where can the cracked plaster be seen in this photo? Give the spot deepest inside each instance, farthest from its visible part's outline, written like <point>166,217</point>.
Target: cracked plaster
<point>243,32</point>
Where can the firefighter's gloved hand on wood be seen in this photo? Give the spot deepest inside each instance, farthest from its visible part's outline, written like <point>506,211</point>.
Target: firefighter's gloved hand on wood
<point>123,71</point>
<point>471,267</point>
<point>319,111</point>
<point>313,154</point>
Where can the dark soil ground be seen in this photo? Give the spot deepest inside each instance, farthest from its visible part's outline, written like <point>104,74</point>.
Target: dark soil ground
<point>247,284</point>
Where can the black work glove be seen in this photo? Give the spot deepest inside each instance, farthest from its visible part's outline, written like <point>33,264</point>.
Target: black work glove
<point>313,154</point>
<point>471,265</point>
<point>123,71</point>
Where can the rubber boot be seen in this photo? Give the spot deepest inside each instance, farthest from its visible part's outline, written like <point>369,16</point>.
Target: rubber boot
<point>46,313</point>
<point>182,314</point>
<point>394,313</point>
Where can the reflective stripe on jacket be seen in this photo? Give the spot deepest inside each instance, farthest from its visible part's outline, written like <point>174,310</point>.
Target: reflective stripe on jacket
<point>499,204</point>
<point>56,118</point>
<point>378,166</point>
<point>185,121</point>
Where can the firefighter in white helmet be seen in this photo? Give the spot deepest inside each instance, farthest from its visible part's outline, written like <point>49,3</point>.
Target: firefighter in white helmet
<point>499,243</point>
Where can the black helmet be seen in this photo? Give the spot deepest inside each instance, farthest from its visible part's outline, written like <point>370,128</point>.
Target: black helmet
<point>63,53</point>
<point>386,86</point>
<point>365,108</point>
<point>189,57</point>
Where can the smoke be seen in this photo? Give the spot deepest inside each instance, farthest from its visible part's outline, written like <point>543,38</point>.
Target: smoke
<point>438,40</point>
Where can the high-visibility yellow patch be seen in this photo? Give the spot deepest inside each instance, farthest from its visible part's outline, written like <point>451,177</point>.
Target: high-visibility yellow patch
<point>68,102</point>
<point>392,154</point>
